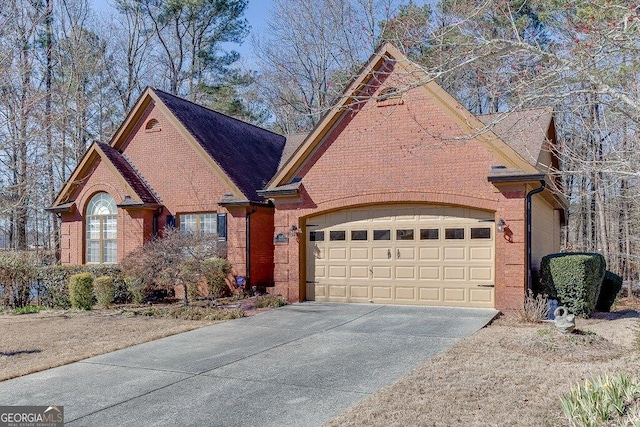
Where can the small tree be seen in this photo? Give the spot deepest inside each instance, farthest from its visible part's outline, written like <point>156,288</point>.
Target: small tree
<point>175,259</point>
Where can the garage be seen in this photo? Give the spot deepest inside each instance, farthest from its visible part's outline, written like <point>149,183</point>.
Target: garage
<point>403,254</point>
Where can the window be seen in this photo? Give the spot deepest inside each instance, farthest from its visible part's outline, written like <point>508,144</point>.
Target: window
<point>429,234</point>
<point>480,232</point>
<point>316,236</point>
<point>404,234</point>
<point>454,233</point>
<point>203,223</point>
<point>359,235</point>
<point>337,235</point>
<point>381,234</point>
<point>101,230</point>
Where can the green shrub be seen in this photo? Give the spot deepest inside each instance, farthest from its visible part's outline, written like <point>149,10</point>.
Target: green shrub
<point>610,288</point>
<point>54,281</point>
<point>18,273</point>
<point>574,279</point>
<point>81,291</point>
<point>104,290</point>
<point>216,271</point>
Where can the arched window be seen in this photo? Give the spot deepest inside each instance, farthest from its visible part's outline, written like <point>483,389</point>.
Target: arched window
<point>102,229</point>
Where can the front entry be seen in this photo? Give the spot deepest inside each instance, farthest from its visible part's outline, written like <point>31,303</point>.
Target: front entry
<point>402,254</point>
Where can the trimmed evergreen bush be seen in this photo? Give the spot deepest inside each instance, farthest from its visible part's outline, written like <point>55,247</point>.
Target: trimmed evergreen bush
<point>611,285</point>
<point>574,279</point>
<point>54,281</point>
<point>104,290</point>
<point>81,291</point>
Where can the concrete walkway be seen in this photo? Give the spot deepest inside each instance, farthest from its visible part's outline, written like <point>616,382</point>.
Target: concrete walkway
<point>299,365</point>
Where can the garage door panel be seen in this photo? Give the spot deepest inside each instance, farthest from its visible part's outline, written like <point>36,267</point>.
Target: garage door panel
<point>429,295</point>
<point>453,273</point>
<point>405,293</point>
<point>403,254</point>
<point>319,291</point>
<point>339,291</point>
<point>405,272</point>
<point>429,254</point>
<point>359,254</point>
<point>481,295</point>
<point>359,272</point>
<point>378,254</point>
<point>320,271</point>
<point>381,292</point>
<point>359,292</point>
<point>337,254</point>
<point>380,272</point>
<point>429,273</point>
<point>455,253</point>
<point>337,272</point>
<point>480,254</point>
<point>455,295</point>
<point>480,273</point>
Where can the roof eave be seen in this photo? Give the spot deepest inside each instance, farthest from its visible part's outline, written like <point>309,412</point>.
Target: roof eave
<point>63,208</point>
<point>516,178</point>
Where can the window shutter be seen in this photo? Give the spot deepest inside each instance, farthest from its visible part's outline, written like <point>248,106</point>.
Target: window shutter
<point>222,226</point>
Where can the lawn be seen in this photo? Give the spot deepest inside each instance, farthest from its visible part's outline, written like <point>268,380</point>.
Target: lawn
<point>507,374</point>
<point>38,341</point>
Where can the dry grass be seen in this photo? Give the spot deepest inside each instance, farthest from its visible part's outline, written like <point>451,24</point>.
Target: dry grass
<point>34,342</point>
<point>507,374</point>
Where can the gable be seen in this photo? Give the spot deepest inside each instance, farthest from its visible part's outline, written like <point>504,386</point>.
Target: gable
<point>406,146</point>
<point>119,169</point>
<point>388,61</point>
<point>247,155</point>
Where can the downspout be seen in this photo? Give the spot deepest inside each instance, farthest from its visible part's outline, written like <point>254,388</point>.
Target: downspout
<point>248,243</point>
<point>530,194</point>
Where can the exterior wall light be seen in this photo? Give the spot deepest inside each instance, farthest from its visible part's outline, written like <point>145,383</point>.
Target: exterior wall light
<point>293,230</point>
<point>501,225</point>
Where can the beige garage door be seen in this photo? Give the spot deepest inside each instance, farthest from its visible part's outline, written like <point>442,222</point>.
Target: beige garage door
<point>429,255</point>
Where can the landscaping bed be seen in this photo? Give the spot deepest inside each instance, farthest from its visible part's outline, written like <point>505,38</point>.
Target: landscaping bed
<point>37,341</point>
<point>507,374</point>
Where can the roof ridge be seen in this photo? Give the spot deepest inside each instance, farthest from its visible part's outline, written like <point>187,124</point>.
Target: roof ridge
<point>214,111</point>
<point>524,110</point>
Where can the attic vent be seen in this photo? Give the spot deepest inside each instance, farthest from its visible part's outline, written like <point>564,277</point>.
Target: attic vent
<point>152,126</point>
<point>389,96</point>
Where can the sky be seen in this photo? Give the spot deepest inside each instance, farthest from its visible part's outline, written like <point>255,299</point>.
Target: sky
<point>256,14</point>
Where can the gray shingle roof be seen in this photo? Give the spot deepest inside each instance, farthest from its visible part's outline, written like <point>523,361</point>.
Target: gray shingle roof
<point>248,155</point>
<point>525,131</point>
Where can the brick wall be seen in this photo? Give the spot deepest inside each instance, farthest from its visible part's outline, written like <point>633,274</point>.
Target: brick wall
<point>183,181</point>
<point>405,152</point>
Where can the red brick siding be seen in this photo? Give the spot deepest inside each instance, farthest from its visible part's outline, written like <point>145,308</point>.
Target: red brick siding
<point>402,153</point>
<point>181,178</point>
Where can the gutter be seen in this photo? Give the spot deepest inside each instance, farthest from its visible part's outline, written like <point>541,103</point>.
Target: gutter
<point>530,194</point>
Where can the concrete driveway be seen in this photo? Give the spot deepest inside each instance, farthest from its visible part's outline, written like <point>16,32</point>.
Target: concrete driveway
<point>298,365</point>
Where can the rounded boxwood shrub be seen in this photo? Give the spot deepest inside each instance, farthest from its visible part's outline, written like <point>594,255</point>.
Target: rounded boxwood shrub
<point>574,279</point>
<point>81,291</point>
<point>104,290</point>
<point>610,288</point>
